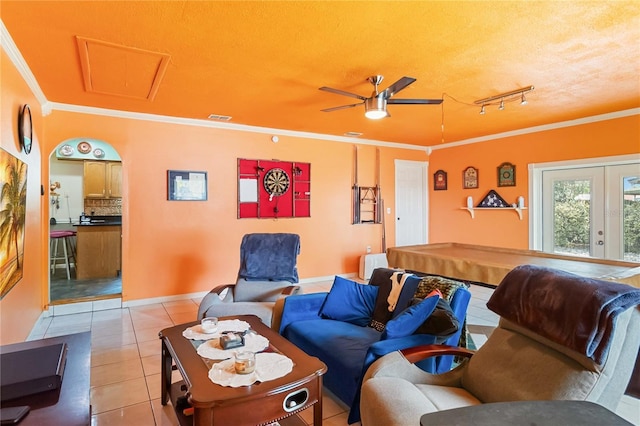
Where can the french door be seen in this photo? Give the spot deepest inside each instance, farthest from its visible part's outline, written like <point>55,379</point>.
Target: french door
<point>592,211</point>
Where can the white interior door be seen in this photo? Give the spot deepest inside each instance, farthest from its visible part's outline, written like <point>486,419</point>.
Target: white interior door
<point>592,211</point>
<point>411,202</point>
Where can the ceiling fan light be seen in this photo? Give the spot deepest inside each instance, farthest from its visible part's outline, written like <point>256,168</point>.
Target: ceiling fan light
<point>375,108</point>
<point>375,114</point>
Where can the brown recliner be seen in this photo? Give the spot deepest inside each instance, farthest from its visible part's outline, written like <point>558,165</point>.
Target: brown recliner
<point>560,337</point>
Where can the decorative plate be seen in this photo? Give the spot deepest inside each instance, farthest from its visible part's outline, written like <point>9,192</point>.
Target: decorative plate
<point>84,147</point>
<point>66,150</point>
<point>98,153</point>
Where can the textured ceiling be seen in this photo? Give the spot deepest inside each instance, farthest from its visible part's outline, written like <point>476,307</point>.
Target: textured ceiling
<point>262,62</point>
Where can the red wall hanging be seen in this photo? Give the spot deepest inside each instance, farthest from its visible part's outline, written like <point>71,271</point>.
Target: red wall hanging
<point>273,189</point>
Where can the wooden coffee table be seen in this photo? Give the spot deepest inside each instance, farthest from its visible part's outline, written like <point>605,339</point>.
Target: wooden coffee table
<point>261,403</point>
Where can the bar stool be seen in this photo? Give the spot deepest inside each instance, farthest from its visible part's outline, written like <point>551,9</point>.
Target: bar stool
<point>68,247</point>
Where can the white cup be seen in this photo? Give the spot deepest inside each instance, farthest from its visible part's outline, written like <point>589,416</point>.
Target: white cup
<point>218,374</point>
<point>209,325</point>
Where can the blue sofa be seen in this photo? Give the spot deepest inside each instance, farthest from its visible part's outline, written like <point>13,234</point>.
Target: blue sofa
<point>349,349</point>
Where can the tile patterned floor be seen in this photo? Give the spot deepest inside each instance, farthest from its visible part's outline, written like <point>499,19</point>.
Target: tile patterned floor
<point>125,357</point>
<point>62,290</point>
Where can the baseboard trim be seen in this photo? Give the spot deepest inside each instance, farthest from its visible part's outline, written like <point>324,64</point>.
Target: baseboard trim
<point>201,294</point>
<point>163,299</point>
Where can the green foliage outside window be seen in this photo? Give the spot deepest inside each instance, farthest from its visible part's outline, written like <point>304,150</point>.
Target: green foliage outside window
<point>572,220</point>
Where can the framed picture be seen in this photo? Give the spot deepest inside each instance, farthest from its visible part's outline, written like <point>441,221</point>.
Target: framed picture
<point>506,174</point>
<point>13,181</point>
<point>440,180</point>
<point>186,185</point>
<point>470,178</point>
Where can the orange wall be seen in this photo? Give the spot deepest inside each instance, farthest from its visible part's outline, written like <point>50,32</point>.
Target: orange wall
<point>172,248</point>
<point>22,306</point>
<point>447,222</point>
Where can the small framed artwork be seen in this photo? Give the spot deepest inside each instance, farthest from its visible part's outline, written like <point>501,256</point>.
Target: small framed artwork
<point>440,180</point>
<point>470,178</point>
<point>506,174</point>
<point>186,185</point>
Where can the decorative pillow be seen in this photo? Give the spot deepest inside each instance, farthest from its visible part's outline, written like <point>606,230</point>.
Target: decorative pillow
<point>350,302</point>
<point>410,319</point>
<point>383,278</point>
<point>447,286</point>
<point>442,322</point>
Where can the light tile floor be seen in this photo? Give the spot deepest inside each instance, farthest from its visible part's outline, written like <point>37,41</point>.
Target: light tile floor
<point>125,358</point>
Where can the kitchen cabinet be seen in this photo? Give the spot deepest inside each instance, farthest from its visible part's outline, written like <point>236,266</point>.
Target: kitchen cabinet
<point>99,251</point>
<point>102,179</point>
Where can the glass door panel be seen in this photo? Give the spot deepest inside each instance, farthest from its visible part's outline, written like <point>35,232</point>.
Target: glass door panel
<point>624,211</point>
<point>572,217</point>
<point>592,211</point>
<point>573,212</point>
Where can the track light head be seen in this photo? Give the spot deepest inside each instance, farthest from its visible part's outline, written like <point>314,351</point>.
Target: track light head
<point>482,111</point>
<point>501,107</point>
<point>523,101</point>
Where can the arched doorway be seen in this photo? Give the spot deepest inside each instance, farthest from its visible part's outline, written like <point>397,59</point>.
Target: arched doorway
<point>85,228</point>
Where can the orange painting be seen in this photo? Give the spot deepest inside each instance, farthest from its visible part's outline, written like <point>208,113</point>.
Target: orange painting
<point>13,198</point>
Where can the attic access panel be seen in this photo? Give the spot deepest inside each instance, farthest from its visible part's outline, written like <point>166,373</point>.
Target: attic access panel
<point>273,189</point>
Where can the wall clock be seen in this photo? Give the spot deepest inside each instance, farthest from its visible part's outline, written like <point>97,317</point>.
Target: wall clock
<point>25,128</point>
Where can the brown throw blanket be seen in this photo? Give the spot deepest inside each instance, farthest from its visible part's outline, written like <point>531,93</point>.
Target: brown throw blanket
<point>576,312</point>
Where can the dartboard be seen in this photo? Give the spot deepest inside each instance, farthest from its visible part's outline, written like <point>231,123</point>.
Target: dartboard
<point>276,182</point>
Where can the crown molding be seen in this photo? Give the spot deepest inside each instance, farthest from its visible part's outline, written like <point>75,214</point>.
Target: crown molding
<point>228,126</point>
<point>542,128</point>
<point>18,61</point>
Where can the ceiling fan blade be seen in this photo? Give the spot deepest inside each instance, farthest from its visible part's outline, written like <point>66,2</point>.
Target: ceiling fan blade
<point>342,92</point>
<point>415,101</point>
<point>340,107</point>
<point>398,86</point>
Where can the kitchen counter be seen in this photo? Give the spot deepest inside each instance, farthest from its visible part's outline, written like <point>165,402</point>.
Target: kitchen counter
<point>99,250</point>
<point>100,221</point>
<point>99,224</point>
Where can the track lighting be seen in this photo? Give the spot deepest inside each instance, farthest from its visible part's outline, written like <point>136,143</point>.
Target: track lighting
<point>504,97</point>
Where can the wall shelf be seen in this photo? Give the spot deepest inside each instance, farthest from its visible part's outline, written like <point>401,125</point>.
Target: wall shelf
<point>472,210</point>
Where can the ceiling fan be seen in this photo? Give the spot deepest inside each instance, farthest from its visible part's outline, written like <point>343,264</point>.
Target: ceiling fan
<point>375,106</point>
